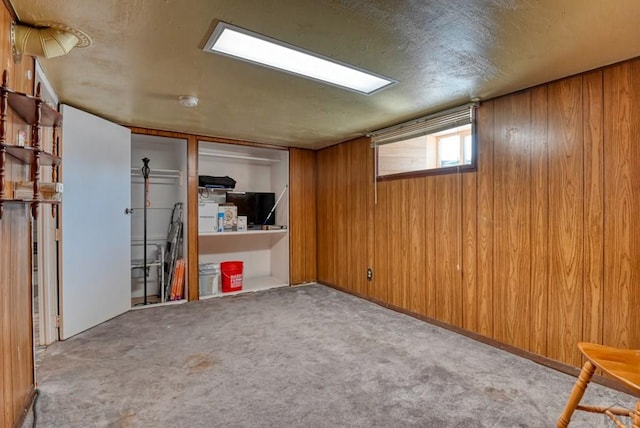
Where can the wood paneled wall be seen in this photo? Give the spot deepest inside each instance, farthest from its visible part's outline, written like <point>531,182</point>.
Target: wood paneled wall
<point>536,249</point>
<point>344,213</point>
<point>302,216</point>
<point>16,340</point>
<point>621,289</point>
<point>16,365</point>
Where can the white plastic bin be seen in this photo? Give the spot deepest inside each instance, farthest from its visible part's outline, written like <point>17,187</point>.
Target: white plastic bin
<point>209,274</point>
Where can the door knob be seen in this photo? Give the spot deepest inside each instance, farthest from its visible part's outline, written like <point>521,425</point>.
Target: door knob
<point>128,210</point>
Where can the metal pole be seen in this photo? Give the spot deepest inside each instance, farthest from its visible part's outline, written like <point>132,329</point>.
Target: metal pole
<point>145,174</point>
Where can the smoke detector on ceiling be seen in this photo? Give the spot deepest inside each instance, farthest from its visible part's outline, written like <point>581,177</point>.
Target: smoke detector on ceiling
<point>188,100</point>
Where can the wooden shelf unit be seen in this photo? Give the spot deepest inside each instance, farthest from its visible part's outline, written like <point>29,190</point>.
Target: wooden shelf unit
<point>37,114</point>
<point>27,154</point>
<point>29,201</point>
<point>32,110</point>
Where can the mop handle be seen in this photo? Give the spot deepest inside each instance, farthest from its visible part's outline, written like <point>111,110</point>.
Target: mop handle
<point>275,205</point>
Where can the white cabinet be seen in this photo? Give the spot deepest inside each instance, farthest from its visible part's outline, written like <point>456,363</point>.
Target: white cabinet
<point>264,253</point>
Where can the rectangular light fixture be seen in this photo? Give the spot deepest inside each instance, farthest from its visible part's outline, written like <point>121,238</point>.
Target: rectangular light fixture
<point>242,44</point>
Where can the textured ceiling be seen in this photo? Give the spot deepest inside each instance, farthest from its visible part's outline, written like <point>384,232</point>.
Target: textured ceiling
<point>145,53</point>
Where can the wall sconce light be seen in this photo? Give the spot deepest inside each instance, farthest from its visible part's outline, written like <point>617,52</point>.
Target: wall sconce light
<point>47,40</point>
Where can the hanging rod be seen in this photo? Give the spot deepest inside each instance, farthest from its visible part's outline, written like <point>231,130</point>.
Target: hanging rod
<point>234,156</point>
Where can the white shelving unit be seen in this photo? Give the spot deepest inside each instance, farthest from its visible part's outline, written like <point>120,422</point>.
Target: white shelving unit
<point>264,253</point>
<point>251,285</point>
<point>239,235</point>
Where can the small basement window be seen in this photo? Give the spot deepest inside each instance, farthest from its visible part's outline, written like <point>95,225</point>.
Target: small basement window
<point>439,143</point>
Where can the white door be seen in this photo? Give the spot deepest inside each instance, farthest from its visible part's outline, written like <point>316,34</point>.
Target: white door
<point>96,252</point>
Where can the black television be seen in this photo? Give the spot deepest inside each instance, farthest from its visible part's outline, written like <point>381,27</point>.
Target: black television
<point>255,205</point>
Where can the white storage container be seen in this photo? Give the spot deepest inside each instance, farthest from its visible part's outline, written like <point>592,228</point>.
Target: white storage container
<point>207,217</point>
<point>209,274</point>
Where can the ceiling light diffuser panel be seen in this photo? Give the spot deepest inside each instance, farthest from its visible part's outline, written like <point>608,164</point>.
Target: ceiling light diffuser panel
<point>248,46</point>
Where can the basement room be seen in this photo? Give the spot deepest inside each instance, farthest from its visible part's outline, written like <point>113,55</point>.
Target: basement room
<point>319,213</point>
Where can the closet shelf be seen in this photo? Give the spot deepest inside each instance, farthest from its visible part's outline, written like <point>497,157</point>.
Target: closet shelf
<point>257,159</point>
<point>244,233</point>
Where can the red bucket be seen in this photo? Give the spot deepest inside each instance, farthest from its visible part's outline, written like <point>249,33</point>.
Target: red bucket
<point>231,276</point>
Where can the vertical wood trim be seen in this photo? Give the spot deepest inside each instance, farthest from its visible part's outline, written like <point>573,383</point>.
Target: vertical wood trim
<point>332,219</point>
<point>296,214</point>
<point>296,228</point>
<point>23,323</point>
<point>404,261</point>
<point>16,323</point>
<point>486,127</point>
<point>341,238</point>
<point>396,212</point>
<point>325,208</point>
<point>342,212</point>
<point>512,199</point>
<point>371,207</point>
<point>381,283</point>
<point>322,210</point>
<point>566,198</point>
<point>430,238</point>
<point>6,312</point>
<point>356,216</point>
<point>593,207</point>
<point>447,224</point>
<point>469,203</point>
<point>310,232</point>
<point>539,221</point>
<point>349,268</point>
<point>631,306</point>
<point>302,217</point>
<point>192,219</point>
<point>416,243</point>
<point>622,181</point>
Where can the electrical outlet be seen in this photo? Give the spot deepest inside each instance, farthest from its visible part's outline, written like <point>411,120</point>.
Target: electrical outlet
<point>369,274</point>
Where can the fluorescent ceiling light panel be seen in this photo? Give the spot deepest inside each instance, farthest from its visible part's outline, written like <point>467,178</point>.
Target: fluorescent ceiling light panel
<point>256,48</point>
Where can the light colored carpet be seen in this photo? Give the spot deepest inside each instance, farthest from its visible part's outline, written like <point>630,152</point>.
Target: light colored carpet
<point>294,357</point>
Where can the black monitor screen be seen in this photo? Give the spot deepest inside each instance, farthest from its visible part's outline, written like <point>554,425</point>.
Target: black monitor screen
<point>264,203</point>
<point>255,205</point>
